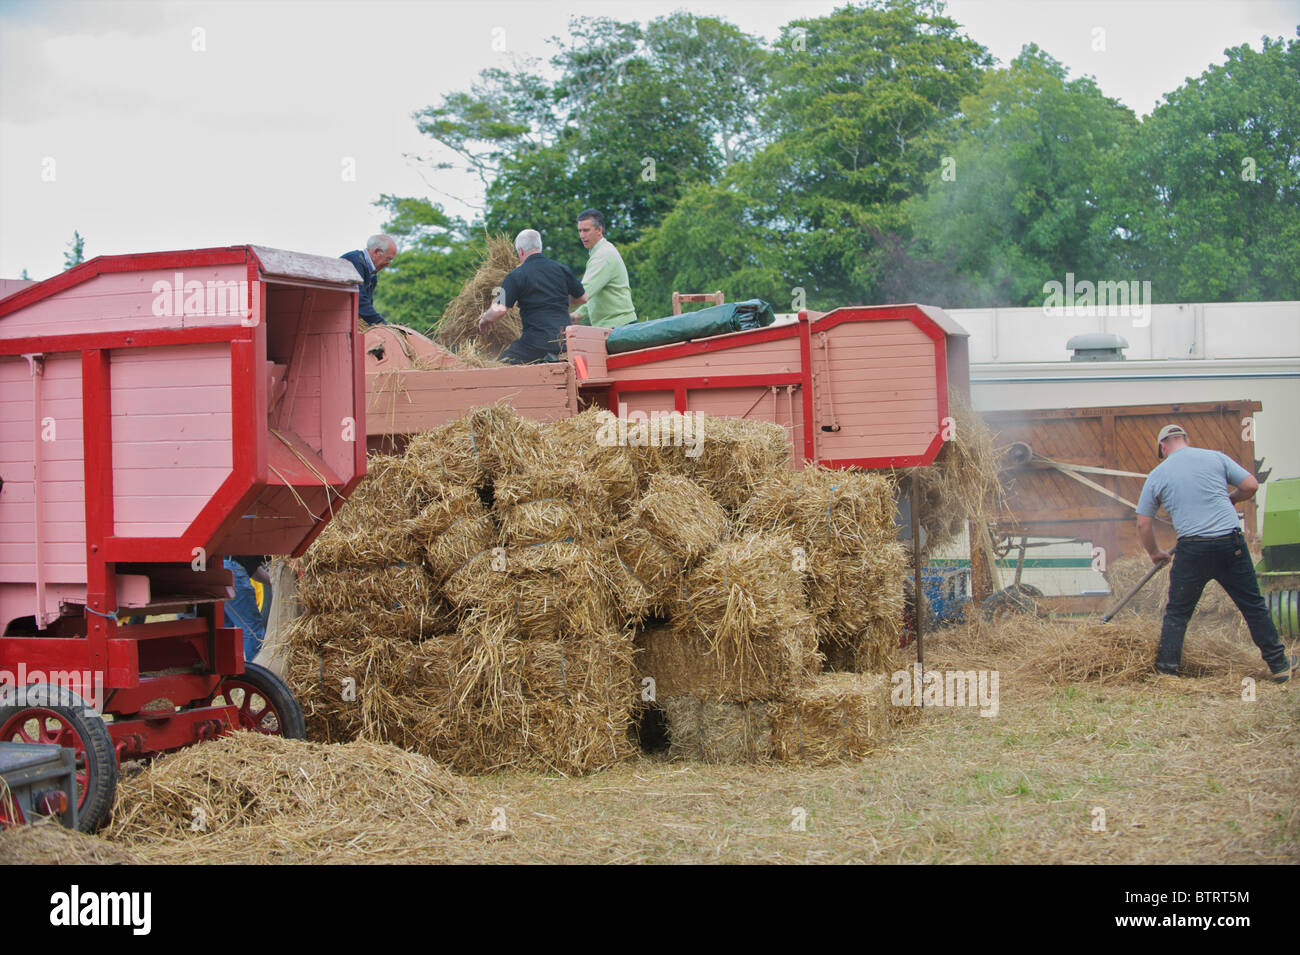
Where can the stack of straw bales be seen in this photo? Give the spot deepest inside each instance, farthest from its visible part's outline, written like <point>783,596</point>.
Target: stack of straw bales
<point>481,598</point>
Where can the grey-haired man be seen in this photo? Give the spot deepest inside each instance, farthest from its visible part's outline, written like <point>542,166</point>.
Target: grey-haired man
<point>1192,485</point>
<point>378,255</point>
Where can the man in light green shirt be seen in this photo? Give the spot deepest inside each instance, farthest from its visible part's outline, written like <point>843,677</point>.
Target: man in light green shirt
<point>609,298</point>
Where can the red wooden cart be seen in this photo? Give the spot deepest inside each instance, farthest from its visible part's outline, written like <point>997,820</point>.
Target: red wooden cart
<point>157,413</point>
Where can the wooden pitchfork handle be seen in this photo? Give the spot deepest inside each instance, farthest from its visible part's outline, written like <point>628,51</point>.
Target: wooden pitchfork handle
<point>1155,569</point>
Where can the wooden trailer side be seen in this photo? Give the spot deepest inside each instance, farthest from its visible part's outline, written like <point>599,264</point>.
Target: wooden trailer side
<point>1044,502</point>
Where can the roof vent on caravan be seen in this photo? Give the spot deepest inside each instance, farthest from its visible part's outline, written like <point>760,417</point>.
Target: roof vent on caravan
<point>1097,346</point>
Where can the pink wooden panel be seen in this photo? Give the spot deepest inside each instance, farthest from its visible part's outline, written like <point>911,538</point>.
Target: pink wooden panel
<point>163,454</point>
<point>61,473</point>
<point>210,428</point>
<point>57,526</point>
<point>879,380</point>
<point>410,401</point>
<point>647,401</point>
<point>127,300</point>
<point>588,341</point>
<point>171,424</point>
<point>276,521</point>
<point>335,404</point>
<point>778,357</point>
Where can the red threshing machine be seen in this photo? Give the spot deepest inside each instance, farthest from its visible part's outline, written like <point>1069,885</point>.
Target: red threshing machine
<point>858,387</point>
<point>159,412</point>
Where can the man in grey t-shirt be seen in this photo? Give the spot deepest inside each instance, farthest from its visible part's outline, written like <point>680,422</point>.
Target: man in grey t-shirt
<point>1192,485</point>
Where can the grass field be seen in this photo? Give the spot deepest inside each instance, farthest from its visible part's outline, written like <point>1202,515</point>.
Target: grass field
<point>1184,771</point>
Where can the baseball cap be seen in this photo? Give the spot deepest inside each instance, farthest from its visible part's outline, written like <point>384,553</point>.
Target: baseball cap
<point>1168,431</point>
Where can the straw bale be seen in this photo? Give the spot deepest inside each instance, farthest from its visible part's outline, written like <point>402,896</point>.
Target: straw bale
<point>453,503</point>
<point>643,574</point>
<point>552,501</point>
<point>840,716</point>
<point>742,591</point>
<point>458,544</point>
<point>413,622</point>
<point>450,452</point>
<point>545,736</point>
<point>459,322</point>
<point>835,511</point>
<point>683,662</point>
<point>541,522</point>
<point>735,456</point>
<point>857,602</point>
<point>584,441</point>
<point>718,732</point>
<point>680,516</point>
<point>255,780</point>
<point>370,527</point>
<point>843,521</point>
<point>480,446</point>
<point>648,563</point>
<point>547,590</point>
<point>398,588</point>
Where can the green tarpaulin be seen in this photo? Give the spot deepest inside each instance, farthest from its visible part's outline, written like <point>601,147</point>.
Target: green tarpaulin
<point>714,320</point>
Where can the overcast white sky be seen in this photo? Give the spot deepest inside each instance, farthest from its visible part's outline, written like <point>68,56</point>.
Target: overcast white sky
<point>154,145</point>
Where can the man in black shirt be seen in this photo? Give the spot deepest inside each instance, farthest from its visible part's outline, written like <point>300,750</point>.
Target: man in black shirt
<point>545,291</point>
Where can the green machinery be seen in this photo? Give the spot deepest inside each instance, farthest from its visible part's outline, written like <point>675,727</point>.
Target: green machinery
<point>1279,570</point>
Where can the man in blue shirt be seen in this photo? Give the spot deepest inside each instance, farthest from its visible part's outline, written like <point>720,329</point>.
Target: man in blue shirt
<point>1191,484</point>
<point>380,251</point>
<point>544,290</point>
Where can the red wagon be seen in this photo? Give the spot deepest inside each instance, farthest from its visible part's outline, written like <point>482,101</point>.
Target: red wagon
<point>159,412</point>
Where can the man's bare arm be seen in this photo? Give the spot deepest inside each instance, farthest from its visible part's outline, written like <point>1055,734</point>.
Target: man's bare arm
<point>1245,490</point>
<point>491,316</point>
<point>1147,535</point>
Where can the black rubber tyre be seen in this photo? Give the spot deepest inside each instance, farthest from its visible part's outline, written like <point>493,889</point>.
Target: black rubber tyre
<point>266,704</point>
<point>1016,599</point>
<point>45,713</point>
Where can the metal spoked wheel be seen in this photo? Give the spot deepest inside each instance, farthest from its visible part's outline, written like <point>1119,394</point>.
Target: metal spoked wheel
<point>265,703</point>
<point>43,713</point>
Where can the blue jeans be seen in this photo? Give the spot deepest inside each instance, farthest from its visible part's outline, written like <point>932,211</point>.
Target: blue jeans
<point>1226,560</point>
<point>243,612</point>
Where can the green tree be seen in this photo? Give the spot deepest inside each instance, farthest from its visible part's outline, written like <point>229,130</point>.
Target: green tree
<point>710,241</point>
<point>636,116</point>
<point>76,253</point>
<point>854,96</point>
<point>1013,202</point>
<point>1204,200</point>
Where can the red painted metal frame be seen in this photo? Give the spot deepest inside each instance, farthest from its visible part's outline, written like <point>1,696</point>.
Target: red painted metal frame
<point>804,329</point>
<point>107,648</point>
